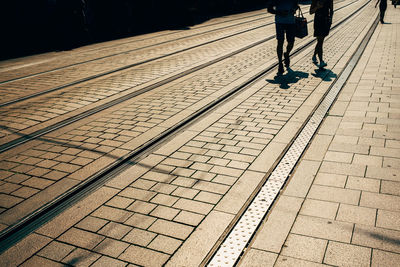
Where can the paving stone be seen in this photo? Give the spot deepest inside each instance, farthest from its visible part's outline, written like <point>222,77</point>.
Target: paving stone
<point>189,218</point>
<point>111,247</point>
<point>197,246</point>
<point>165,200</point>
<point>144,257</point>
<point>76,213</point>
<point>306,248</point>
<point>389,174</point>
<point>139,237</point>
<point>81,238</point>
<point>55,251</point>
<point>141,207</point>
<point>115,230</point>
<point>193,206</point>
<point>208,197</point>
<point>165,244</point>
<point>7,201</point>
<point>107,261</point>
<point>285,261</point>
<point>25,192</point>
<point>140,221</point>
<point>377,238</point>
<point>119,202</point>
<point>23,250</point>
<point>255,257</point>
<point>338,157</point>
<point>113,214</point>
<point>342,168</point>
<point>390,188</point>
<point>380,201</point>
<point>364,184</point>
<point>164,212</point>
<point>318,208</point>
<point>211,187</point>
<point>323,228</point>
<point>334,194</point>
<point>143,184</point>
<point>135,193</point>
<point>273,232</point>
<point>39,261</point>
<point>300,183</point>
<point>171,229</point>
<point>356,214</point>
<point>384,259</point>
<point>388,219</point>
<point>163,188</point>
<point>329,179</point>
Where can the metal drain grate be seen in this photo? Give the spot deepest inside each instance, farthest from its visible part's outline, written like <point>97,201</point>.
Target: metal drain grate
<point>235,243</point>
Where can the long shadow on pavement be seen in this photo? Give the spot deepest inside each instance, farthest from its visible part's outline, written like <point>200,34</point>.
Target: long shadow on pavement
<point>288,78</point>
<point>324,74</point>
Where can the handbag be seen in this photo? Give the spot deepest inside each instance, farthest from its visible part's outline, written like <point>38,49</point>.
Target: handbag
<point>300,22</point>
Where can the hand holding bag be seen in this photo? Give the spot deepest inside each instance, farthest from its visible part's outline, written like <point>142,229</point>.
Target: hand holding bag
<point>300,21</point>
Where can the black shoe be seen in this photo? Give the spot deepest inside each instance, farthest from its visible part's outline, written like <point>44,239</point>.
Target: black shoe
<point>286,60</point>
<point>280,69</point>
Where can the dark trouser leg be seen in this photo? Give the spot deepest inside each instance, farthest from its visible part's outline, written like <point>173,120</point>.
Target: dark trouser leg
<point>318,47</point>
<point>279,50</point>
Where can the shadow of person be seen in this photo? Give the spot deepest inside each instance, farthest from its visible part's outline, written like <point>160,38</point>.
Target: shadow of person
<point>288,78</point>
<point>324,74</point>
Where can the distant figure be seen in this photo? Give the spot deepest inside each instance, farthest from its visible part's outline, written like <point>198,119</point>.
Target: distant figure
<point>284,11</point>
<point>323,10</point>
<point>382,9</point>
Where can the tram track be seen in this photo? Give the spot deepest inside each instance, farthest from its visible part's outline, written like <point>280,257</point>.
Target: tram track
<point>32,221</point>
<point>28,136</point>
<point>129,66</point>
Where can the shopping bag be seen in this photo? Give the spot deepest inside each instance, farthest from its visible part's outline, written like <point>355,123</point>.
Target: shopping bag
<point>301,29</point>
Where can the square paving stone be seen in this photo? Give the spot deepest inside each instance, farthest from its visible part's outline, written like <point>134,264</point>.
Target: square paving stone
<point>111,247</point>
<point>144,257</point>
<point>304,247</point>
<point>56,251</point>
<point>81,238</point>
<point>340,254</point>
<point>115,230</point>
<point>107,261</point>
<point>165,244</point>
<point>257,257</point>
<point>139,237</point>
<point>91,224</point>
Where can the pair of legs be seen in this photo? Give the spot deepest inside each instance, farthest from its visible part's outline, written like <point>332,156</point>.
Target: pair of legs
<point>281,30</point>
<point>382,14</point>
<point>279,50</point>
<point>318,51</point>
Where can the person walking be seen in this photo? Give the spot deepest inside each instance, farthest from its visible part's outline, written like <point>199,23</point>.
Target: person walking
<point>323,10</point>
<point>284,11</point>
<point>382,9</point>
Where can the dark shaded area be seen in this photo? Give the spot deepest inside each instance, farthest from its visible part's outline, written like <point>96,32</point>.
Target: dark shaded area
<point>29,27</point>
<point>325,74</point>
<point>291,77</point>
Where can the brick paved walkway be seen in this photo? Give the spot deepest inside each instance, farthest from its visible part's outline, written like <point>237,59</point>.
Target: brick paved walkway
<point>339,208</point>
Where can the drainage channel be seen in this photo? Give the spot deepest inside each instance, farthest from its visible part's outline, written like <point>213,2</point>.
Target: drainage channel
<point>28,224</point>
<point>234,245</point>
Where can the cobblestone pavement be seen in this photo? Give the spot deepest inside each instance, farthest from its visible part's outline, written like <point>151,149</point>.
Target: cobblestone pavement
<point>39,171</point>
<point>172,205</point>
